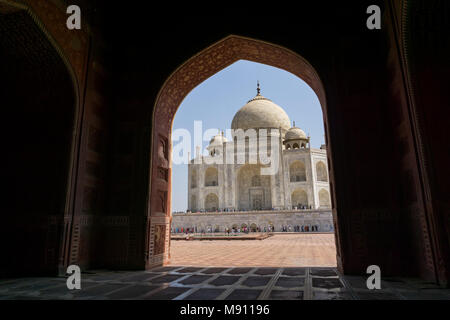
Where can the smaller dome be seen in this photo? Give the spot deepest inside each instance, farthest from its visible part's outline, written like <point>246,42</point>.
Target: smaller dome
<point>218,140</point>
<point>295,133</point>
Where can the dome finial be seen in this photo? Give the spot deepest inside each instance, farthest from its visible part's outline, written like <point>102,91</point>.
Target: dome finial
<point>257,88</point>
<point>294,124</point>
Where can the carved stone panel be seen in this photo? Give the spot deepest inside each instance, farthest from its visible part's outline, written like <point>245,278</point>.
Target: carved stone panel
<point>162,201</point>
<point>163,174</point>
<point>159,239</point>
<point>163,148</point>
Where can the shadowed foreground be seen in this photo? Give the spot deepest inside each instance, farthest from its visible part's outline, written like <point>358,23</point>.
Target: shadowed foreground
<point>240,283</point>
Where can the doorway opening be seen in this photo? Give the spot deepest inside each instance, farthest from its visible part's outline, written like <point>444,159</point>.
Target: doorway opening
<point>231,194</point>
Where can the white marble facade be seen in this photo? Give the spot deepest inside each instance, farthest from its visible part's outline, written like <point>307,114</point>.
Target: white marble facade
<point>300,182</point>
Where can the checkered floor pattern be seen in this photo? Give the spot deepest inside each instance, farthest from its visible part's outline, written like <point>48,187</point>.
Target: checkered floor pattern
<point>220,283</point>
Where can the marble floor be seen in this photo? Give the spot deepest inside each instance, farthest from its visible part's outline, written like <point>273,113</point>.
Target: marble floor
<point>220,283</point>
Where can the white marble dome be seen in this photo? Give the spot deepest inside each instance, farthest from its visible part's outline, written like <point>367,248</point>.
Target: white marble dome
<point>218,140</point>
<point>261,112</point>
<point>295,133</point>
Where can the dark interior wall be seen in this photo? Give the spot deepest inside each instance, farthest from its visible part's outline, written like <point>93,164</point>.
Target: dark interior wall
<point>427,49</point>
<point>88,240</point>
<point>408,202</point>
<point>362,145</point>
<point>38,108</point>
<point>420,251</point>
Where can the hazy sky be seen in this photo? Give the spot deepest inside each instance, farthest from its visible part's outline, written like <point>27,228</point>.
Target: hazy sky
<point>216,100</point>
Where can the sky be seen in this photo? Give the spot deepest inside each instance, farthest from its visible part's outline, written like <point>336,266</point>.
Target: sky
<point>216,100</point>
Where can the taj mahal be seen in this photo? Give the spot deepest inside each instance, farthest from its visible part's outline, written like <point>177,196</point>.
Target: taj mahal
<point>226,195</point>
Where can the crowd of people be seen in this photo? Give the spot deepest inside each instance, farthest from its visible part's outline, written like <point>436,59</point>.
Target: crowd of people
<point>303,228</point>
<point>299,207</point>
<point>245,229</point>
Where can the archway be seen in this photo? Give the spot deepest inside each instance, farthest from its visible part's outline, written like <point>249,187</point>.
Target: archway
<point>211,177</point>
<point>179,84</point>
<point>299,198</point>
<point>143,225</point>
<point>297,171</point>
<point>324,199</point>
<point>39,161</point>
<point>253,191</point>
<point>321,171</point>
<point>211,202</point>
<point>256,181</point>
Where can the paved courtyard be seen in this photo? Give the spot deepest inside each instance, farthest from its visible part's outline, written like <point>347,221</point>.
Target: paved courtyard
<point>280,250</point>
<point>215,283</point>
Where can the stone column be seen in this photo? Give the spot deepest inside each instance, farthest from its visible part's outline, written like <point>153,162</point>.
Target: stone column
<point>221,177</point>
<point>201,187</point>
<point>286,181</point>
<point>189,186</point>
<point>233,199</point>
<point>230,190</point>
<point>277,180</point>
<point>313,178</point>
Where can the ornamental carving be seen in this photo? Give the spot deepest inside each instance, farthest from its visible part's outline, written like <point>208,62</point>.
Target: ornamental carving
<point>219,56</point>
<point>73,43</point>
